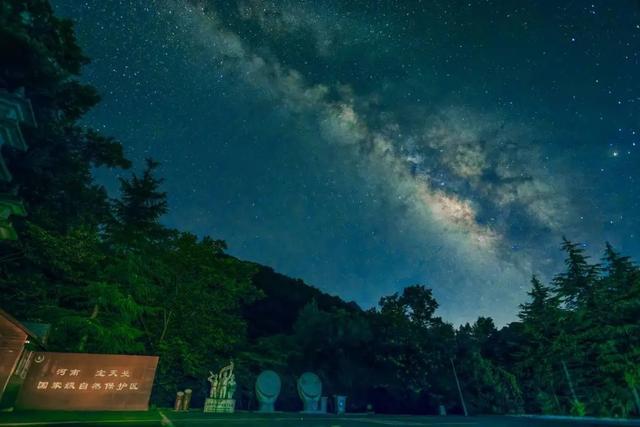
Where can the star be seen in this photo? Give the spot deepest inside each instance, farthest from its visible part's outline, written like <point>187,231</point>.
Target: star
<point>311,125</point>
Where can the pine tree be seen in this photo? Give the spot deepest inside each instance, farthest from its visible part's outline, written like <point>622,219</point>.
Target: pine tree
<point>617,334</point>
<point>576,286</point>
<point>536,366</point>
<point>141,205</point>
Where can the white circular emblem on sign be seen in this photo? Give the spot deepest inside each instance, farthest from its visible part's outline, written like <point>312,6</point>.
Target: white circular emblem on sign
<point>39,358</point>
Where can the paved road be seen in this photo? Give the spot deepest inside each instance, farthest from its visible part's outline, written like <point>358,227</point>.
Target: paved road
<point>240,420</point>
<point>168,418</point>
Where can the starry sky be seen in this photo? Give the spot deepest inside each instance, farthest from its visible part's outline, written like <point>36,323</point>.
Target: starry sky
<point>366,145</point>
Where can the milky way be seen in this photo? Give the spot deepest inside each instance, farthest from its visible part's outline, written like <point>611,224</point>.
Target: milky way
<point>365,146</point>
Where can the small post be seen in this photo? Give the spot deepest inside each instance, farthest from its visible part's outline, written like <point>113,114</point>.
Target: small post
<point>177,406</point>
<point>187,399</point>
<point>455,374</point>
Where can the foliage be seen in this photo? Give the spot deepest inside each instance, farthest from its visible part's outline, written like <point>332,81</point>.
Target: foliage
<point>107,274</point>
<point>587,320</point>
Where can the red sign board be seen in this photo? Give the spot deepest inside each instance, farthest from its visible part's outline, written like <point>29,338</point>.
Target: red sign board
<point>80,381</point>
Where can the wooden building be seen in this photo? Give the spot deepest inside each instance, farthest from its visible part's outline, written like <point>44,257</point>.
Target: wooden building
<point>16,343</point>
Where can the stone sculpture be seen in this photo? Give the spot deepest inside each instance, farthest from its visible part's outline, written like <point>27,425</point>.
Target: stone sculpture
<point>310,391</point>
<point>267,390</point>
<point>223,386</point>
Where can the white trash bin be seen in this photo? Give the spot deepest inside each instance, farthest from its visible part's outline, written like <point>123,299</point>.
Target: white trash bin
<point>340,404</point>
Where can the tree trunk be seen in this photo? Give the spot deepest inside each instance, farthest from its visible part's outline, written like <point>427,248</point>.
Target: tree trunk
<point>85,337</point>
<point>165,323</point>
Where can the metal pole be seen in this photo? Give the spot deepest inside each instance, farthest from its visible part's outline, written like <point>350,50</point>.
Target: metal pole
<point>566,373</point>
<point>455,374</point>
<point>636,397</point>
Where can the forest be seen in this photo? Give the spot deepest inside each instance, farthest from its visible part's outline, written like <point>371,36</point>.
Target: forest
<point>110,277</point>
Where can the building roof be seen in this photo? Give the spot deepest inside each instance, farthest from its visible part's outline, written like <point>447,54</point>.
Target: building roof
<point>33,336</point>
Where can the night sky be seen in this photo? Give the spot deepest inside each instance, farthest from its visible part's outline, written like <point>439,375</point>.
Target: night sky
<point>364,145</point>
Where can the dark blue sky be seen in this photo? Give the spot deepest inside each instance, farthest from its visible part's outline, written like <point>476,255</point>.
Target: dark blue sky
<point>368,145</point>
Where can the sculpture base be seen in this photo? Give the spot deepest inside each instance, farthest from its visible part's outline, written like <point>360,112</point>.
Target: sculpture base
<point>266,407</point>
<point>220,406</point>
<point>311,406</point>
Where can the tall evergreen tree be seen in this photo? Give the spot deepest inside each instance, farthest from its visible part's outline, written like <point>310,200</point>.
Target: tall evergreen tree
<point>141,204</point>
<point>537,368</point>
<point>576,286</point>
